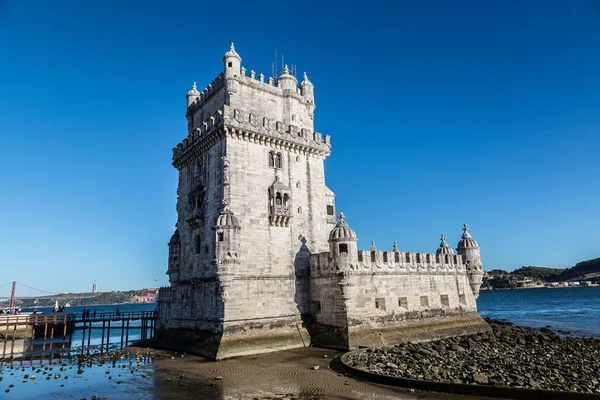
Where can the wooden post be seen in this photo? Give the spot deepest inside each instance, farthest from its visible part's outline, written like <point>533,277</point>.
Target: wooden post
<point>64,331</point>
<point>12,347</point>
<point>122,331</point>
<point>108,335</point>
<point>52,334</point>
<point>127,334</point>
<point>89,338</point>
<point>45,331</point>
<point>83,336</point>
<point>102,340</point>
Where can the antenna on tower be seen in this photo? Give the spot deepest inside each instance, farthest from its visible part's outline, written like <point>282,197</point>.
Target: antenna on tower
<point>274,65</point>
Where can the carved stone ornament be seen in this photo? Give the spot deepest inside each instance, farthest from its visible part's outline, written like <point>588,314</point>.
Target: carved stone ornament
<point>253,120</point>
<point>239,117</point>
<point>268,123</point>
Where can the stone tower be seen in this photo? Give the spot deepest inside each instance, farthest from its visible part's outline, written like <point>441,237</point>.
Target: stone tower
<point>252,206</point>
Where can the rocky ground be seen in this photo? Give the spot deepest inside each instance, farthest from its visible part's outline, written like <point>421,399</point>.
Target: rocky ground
<point>509,356</point>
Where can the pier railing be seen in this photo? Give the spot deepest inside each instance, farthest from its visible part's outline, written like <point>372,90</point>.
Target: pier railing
<point>51,330</point>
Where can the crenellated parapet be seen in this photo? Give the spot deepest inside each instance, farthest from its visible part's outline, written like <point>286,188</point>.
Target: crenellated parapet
<point>206,94</point>
<point>388,262</point>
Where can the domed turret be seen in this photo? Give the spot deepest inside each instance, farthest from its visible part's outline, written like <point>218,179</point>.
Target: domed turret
<point>467,241</point>
<point>286,80</point>
<point>174,257</point>
<point>342,231</point>
<point>192,95</point>
<point>444,249</point>
<point>307,89</point>
<point>227,219</point>
<point>470,252</point>
<point>227,232</point>
<point>342,243</point>
<point>232,63</point>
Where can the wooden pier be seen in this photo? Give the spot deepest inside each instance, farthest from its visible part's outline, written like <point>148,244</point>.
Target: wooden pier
<point>52,331</point>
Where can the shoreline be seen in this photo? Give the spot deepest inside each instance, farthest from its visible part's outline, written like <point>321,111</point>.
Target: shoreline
<point>511,356</point>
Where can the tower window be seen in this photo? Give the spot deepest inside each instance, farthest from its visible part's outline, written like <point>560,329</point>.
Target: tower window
<point>462,299</point>
<point>380,304</point>
<point>197,244</point>
<point>272,159</point>
<point>286,199</point>
<point>403,302</point>
<point>297,185</point>
<point>278,200</point>
<point>329,210</point>
<point>444,300</point>
<point>278,161</point>
<point>230,64</point>
<point>360,256</point>
<point>424,301</point>
<point>299,210</point>
<point>343,248</point>
<point>297,158</point>
<point>220,236</point>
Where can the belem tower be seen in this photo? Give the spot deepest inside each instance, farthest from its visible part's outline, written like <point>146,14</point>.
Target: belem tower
<point>259,262</point>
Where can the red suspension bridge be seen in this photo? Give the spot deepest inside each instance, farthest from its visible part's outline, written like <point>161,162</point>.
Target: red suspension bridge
<point>43,294</point>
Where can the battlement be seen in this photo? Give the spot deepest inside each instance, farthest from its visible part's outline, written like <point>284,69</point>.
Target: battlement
<point>390,262</point>
<point>205,94</point>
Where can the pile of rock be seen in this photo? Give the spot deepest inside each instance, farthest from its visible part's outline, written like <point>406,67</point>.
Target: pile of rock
<point>509,356</point>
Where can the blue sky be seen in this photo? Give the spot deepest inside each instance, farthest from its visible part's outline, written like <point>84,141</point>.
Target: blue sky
<point>440,113</point>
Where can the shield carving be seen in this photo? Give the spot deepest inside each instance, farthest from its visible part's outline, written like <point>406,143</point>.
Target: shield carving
<point>268,123</point>
<point>253,120</point>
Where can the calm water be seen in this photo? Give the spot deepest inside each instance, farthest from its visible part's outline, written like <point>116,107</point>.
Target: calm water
<point>576,310</point>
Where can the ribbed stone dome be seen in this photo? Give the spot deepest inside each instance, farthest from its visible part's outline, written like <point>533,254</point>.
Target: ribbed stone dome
<point>342,231</point>
<point>444,249</point>
<point>175,239</point>
<point>226,218</point>
<point>193,91</point>
<point>232,53</point>
<point>467,241</point>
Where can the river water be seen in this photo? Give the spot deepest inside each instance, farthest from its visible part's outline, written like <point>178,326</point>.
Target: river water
<point>576,310</point>
<point>279,375</point>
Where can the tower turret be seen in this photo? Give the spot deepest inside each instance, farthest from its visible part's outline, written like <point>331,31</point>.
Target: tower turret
<point>227,257</point>
<point>444,249</point>
<point>307,89</point>
<point>174,257</point>
<point>192,95</point>
<point>287,81</point>
<point>232,63</point>
<point>470,252</point>
<point>342,243</point>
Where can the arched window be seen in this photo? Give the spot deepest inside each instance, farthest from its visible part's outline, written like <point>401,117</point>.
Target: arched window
<point>297,185</point>
<point>271,159</point>
<point>278,161</point>
<point>278,199</point>
<point>286,198</point>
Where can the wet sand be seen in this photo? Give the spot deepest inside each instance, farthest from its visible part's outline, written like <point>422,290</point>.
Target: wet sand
<point>282,375</point>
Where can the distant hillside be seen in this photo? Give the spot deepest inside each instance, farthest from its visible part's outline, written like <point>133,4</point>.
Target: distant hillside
<point>89,299</point>
<point>532,276</point>
<point>589,270</point>
<point>541,273</point>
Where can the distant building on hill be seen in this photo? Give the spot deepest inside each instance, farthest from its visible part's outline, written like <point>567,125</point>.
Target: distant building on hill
<point>94,288</point>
